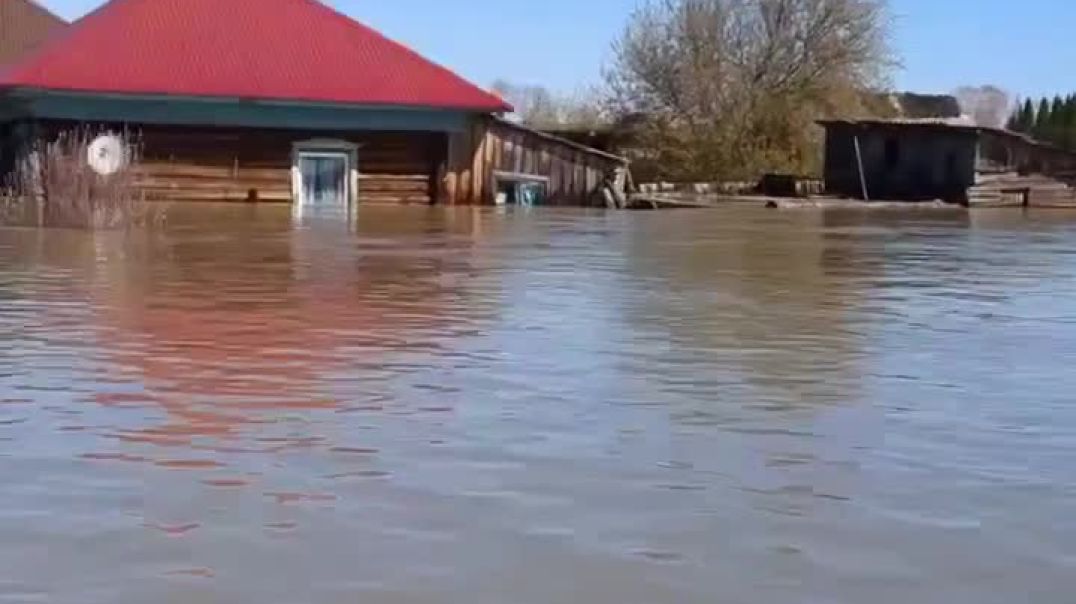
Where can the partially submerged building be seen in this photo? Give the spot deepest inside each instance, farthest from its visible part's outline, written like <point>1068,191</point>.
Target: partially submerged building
<point>946,159</point>
<point>283,101</point>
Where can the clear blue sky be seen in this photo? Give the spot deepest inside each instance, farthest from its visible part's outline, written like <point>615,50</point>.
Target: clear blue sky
<point>1024,46</point>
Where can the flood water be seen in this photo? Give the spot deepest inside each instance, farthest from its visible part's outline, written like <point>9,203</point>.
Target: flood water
<point>735,406</point>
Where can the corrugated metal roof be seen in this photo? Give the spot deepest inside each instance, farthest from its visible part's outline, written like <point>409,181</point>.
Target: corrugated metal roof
<point>288,50</point>
<point>24,25</point>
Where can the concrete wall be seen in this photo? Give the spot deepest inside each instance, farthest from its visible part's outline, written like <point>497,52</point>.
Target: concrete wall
<point>901,162</point>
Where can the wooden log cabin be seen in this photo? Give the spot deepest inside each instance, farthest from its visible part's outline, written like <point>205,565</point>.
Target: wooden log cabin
<point>331,113</point>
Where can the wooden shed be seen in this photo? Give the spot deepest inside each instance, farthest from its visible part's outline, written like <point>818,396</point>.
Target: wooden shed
<point>331,114</point>
<point>951,160</point>
<point>496,159</point>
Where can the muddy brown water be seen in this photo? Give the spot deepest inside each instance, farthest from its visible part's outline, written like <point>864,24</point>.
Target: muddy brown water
<point>732,405</point>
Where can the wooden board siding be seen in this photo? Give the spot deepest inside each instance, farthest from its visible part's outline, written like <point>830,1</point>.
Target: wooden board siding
<point>10,142</point>
<point>899,162</point>
<point>574,173</point>
<point>227,164</point>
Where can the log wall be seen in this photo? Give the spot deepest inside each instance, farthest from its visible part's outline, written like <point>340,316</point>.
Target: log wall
<point>182,163</point>
<point>574,173</point>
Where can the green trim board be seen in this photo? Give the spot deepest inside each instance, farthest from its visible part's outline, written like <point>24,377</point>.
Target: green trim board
<point>196,111</point>
<point>12,109</point>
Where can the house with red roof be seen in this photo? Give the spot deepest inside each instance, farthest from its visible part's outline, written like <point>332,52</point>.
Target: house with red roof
<point>283,101</point>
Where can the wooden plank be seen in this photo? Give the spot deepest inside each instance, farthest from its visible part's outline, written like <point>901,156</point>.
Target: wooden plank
<point>196,180</point>
<point>525,176</point>
<point>390,199</point>
<point>528,160</point>
<point>438,167</point>
<point>499,153</point>
<point>211,171</point>
<point>451,195</point>
<point>569,165</point>
<point>399,178</point>
<point>437,184</point>
<point>517,154</point>
<point>491,142</point>
<point>451,178</point>
<point>509,151</point>
<point>478,168</point>
<point>374,185</point>
<point>464,184</point>
<point>235,196</point>
<point>578,176</point>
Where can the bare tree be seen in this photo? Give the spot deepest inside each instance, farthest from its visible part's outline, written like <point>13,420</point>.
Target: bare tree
<point>988,105</point>
<point>732,87</point>
<point>538,107</point>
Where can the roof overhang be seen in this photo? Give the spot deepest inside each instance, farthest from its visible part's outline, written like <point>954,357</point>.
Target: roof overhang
<point>227,111</point>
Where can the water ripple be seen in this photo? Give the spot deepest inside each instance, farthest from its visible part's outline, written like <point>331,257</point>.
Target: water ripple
<point>461,404</point>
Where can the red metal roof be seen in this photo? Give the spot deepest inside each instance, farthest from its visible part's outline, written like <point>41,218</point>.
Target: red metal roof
<point>24,26</point>
<point>289,50</point>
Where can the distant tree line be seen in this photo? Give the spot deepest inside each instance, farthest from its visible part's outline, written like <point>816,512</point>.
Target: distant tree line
<point>1049,120</point>
<point>539,107</point>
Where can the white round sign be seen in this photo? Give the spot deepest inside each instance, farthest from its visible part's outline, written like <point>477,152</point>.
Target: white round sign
<point>106,155</point>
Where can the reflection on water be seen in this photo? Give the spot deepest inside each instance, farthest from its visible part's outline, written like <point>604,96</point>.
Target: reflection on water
<point>548,406</point>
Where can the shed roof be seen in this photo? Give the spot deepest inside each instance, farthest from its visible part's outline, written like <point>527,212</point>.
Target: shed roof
<point>939,123</point>
<point>934,124</point>
<point>284,50</point>
<point>24,25</point>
